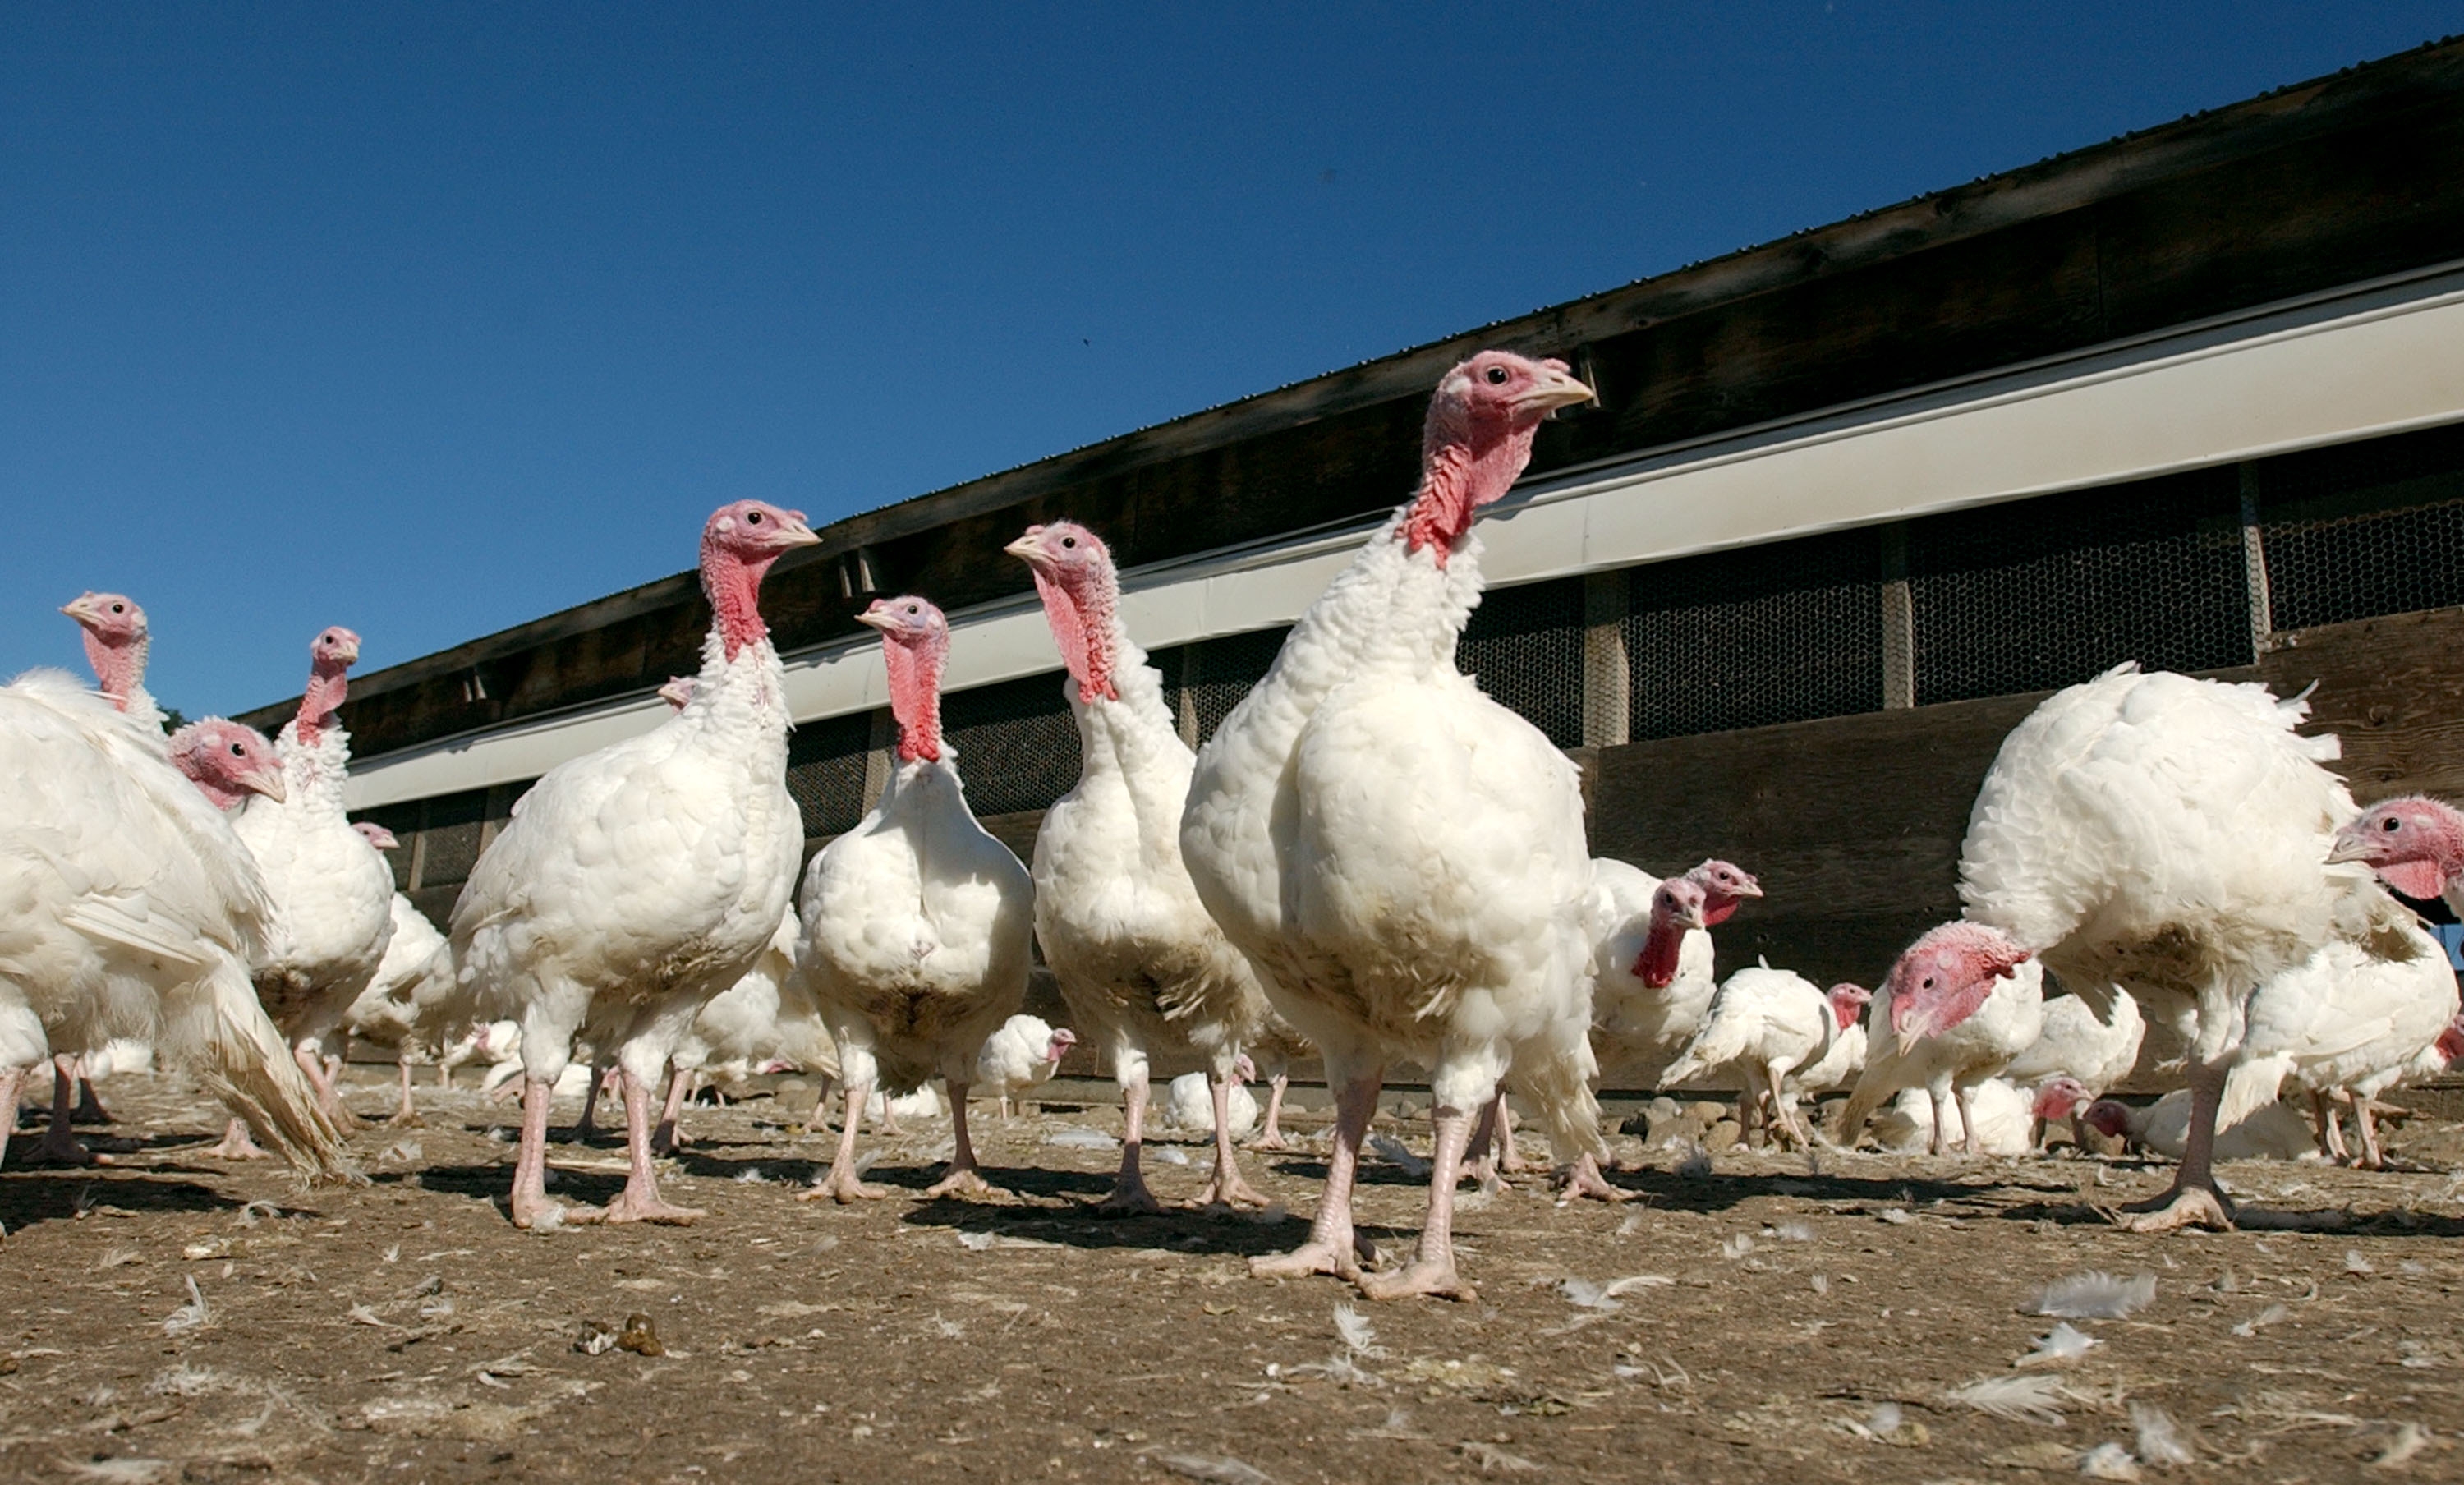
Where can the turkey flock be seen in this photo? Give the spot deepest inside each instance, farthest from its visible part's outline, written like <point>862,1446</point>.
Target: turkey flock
<point>1370,862</point>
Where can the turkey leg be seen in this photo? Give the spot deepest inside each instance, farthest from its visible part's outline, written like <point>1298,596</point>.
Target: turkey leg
<point>670,1135</point>
<point>2194,1198</point>
<point>1270,1137</point>
<point>1130,1194</point>
<point>406,1114</point>
<point>1967,1119</point>
<point>1432,1269</point>
<point>842,1184</point>
<point>10,1078</point>
<point>586,1128</point>
<point>1225,1188</point>
<point>58,1144</point>
<point>639,1201</point>
<point>529,1199</point>
<point>1333,1246</point>
<point>89,1108</point>
<point>961,1173</point>
<point>2373,1158</point>
<point>237,1144</point>
<point>2330,1132</point>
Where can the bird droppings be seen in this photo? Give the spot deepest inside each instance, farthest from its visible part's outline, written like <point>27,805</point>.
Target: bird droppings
<point>2411,1439</point>
<point>1494,1459</point>
<point>2095,1296</point>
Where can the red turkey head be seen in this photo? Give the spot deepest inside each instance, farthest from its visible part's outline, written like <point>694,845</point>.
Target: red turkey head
<point>1724,884</point>
<point>2415,844</point>
<point>914,643</point>
<point>2056,1096</point>
<point>116,641</point>
<point>1062,1039</point>
<point>1946,976</point>
<point>227,761</point>
<point>2108,1119</point>
<point>1676,906</point>
<point>1848,1002</point>
<point>1478,439</point>
<point>375,834</point>
<point>1075,576</point>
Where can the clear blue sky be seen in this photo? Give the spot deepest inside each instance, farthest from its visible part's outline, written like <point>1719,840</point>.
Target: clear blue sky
<point>429,320</point>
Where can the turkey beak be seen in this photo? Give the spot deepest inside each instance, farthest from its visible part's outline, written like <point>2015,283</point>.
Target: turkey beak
<point>793,532</point>
<point>267,784</point>
<point>1918,1025</point>
<point>81,609</point>
<point>1026,548</point>
<point>2349,846</point>
<point>874,617</point>
<point>1553,389</point>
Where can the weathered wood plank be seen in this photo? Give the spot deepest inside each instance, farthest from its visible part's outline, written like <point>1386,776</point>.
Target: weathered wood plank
<point>2393,690</point>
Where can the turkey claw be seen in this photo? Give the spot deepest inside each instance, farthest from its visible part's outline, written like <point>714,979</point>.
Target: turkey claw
<point>1128,1201</point>
<point>965,1180</point>
<point>650,1208</point>
<point>1235,1192</point>
<point>1308,1258</point>
<point>1438,1280</point>
<point>2189,1206</point>
<point>843,1192</point>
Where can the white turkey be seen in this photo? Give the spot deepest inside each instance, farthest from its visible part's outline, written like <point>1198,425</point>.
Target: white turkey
<point>2098,1045</point>
<point>2003,1114</point>
<point>917,921</point>
<point>637,882</point>
<point>332,896</point>
<point>1020,1058</point>
<point>1765,1023</point>
<point>129,908</point>
<point>1843,1061</point>
<point>1143,968</point>
<point>2271,1131</point>
<point>1652,966</point>
<point>2344,1021</point>
<point>1189,1103</point>
<point>1401,857</point>
<point>2170,836</point>
<point>765,1022</point>
<point>2415,844</point>
<point>1963,1001</point>
<point>414,1004</point>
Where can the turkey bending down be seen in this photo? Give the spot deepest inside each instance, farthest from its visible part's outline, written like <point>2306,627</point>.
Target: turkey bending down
<point>129,909</point>
<point>637,882</point>
<point>1020,1058</point>
<point>2095,1046</point>
<point>1767,1023</point>
<point>1400,857</point>
<point>1142,966</point>
<point>1949,1052</point>
<point>332,896</point>
<point>917,921</point>
<point>2170,836</point>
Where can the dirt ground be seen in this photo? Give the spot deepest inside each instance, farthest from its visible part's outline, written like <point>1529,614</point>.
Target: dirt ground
<point>173,1318</point>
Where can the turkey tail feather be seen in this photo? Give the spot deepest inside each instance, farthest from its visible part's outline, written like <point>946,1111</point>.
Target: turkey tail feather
<point>223,1033</point>
<point>1557,1086</point>
<point>2251,1086</point>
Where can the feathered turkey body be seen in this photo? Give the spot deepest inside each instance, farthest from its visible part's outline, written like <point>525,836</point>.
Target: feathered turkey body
<point>2271,1131</point>
<point>917,921</point>
<point>1950,1061</point>
<point>2097,1047</point>
<point>129,909</point>
<point>1647,1002</point>
<point>413,1004</point>
<point>639,881</point>
<point>2344,1020</point>
<point>1400,857</point>
<point>1767,1023</point>
<point>2170,835</point>
<point>1189,1104</point>
<point>2003,1111</point>
<point>333,896</point>
<point>1143,968</point>
<point>1020,1058</point>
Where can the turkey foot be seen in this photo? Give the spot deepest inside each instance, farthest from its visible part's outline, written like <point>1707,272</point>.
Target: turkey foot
<point>1334,1246</point>
<point>842,1184</point>
<point>406,1115</point>
<point>2183,1207</point>
<point>89,1108</point>
<point>1432,1269</point>
<point>1130,1196</point>
<point>961,1176</point>
<point>670,1137</point>
<point>1225,1188</point>
<point>1583,1177</point>
<point>640,1201</point>
<point>1510,1160</point>
<point>1313,1256</point>
<point>236,1144</point>
<point>1271,1136</point>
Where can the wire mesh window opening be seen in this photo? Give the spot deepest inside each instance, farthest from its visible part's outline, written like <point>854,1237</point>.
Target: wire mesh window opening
<point>2043,594</point>
<point>1524,647</point>
<point>2363,529</point>
<point>825,771</point>
<point>1016,743</point>
<point>1788,632</point>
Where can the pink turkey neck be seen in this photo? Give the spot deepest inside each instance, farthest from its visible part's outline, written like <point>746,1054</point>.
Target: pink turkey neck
<point>118,668</point>
<point>1844,1012</point>
<point>327,683</point>
<point>733,585</point>
<point>1465,463</point>
<point>1657,964</point>
<point>916,695</point>
<point>223,797</point>
<point>1081,612</point>
<point>1718,907</point>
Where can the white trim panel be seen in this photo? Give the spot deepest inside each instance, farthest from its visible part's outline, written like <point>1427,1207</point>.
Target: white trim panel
<point>2378,360</point>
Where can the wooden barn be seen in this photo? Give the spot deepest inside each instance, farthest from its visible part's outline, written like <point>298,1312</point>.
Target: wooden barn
<point>1851,504</point>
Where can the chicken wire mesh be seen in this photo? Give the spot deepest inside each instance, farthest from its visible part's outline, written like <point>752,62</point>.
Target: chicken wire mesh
<point>1786,632</point>
<point>1016,743</point>
<point>1222,672</point>
<point>2039,594</point>
<point>2363,529</point>
<point>1524,647</point>
<point>825,771</point>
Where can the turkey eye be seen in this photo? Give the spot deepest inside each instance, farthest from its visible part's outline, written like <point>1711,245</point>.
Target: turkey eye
<point>1497,376</point>
<point>1069,543</point>
<point>1927,984</point>
<point>120,607</point>
<point>2392,826</point>
<point>239,751</point>
<point>753,517</point>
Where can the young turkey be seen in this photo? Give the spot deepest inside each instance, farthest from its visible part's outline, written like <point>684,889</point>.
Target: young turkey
<point>2097,1047</point>
<point>637,882</point>
<point>332,896</point>
<point>1020,1058</point>
<point>1400,857</point>
<point>2344,1021</point>
<point>129,908</point>
<point>917,921</point>
<point>414,1004</point>
<point>1767,1023</point>
<point>2170,836</point>
<point>1142,966</point>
